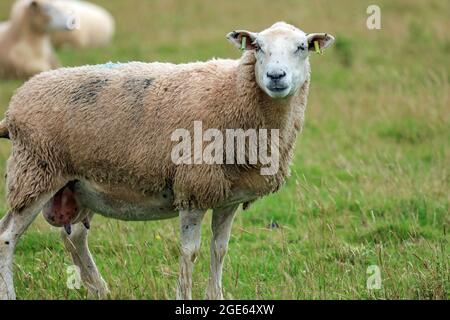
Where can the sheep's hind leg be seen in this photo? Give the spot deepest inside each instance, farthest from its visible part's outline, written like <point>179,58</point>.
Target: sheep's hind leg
<point>77,245</point>
<point>190,229</point>
<point>222,221</point>
<point>12,226</point>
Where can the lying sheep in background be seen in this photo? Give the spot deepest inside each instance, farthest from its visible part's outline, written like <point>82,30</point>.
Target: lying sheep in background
<point>25,47</point>
<point>94,25</point>
<point>99,139</point>
<point>3,26</point>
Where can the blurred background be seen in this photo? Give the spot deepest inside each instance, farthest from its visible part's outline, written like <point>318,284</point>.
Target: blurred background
<point>370,180</point>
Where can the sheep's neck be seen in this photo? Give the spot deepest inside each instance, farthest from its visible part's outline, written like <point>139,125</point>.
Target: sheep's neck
<point>276,112</point>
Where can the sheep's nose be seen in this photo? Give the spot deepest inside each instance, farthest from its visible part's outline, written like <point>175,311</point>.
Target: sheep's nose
<point>276,75</point>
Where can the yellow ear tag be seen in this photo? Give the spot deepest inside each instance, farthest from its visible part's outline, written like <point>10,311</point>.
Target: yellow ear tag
<point>244,43</point>
<point>316,46</point>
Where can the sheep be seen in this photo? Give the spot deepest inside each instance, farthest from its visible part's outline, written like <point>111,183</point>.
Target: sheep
<point>3,26</point>
<point>102,139</point>
<point>25,47</point>
<point>94,25</point>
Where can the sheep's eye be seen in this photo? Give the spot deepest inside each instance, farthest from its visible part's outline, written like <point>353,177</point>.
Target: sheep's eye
<point>257,47</point>
<point>300,48</point>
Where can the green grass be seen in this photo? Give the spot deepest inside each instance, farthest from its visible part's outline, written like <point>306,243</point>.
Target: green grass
<point>370,181</point>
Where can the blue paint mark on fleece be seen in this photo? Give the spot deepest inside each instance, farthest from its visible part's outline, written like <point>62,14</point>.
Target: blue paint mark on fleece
<point>110,65</point>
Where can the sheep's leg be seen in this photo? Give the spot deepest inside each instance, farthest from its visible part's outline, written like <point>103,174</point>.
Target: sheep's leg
<point>77,245</point>
<point>222,221</point>
<point>190,229</point>
<point>12,226</point>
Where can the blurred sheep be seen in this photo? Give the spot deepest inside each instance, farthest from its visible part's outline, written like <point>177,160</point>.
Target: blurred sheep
<point>94,26</point>
<point>25,46</point>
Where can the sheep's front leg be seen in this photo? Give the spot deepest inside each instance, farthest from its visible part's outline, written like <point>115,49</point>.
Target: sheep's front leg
<point>12,227</point>
<point>222,221</point>
<point>77,245</point>
<point>190,229</point>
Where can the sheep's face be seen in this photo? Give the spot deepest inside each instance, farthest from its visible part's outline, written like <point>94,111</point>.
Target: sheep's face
<point>282,64</point>
<point>44,16</point>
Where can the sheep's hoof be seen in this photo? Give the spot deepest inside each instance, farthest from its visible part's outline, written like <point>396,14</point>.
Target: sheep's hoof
<point>5,296</point>
<point>99,291</point>
<point>212,294</point>
<point>214,297</point>
<point>6,293</point>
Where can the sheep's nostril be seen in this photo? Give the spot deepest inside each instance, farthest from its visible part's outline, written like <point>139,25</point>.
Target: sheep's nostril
<point>276,75</point>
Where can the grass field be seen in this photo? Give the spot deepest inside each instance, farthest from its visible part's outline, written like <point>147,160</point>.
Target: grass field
<point>370,182</point>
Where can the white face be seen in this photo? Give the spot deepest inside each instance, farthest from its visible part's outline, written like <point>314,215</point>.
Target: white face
<point>44,15</point>
<point>59,20</point>
<point>282,51</point>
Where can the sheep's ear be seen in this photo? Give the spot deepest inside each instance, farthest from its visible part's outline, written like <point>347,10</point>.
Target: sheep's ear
<point>324,40</point>
<point>34,4</point>
<point>236,38</point>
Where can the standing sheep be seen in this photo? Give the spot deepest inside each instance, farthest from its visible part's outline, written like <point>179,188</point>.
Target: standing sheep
<point>25,47</point>
<point>101,139</point>
<point>94,25</point>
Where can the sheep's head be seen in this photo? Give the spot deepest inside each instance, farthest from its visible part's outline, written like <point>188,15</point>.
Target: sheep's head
<point>42,15</point>
<point>281,52</point>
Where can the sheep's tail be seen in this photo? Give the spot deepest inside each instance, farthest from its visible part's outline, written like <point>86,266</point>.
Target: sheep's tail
<point>4,132</point>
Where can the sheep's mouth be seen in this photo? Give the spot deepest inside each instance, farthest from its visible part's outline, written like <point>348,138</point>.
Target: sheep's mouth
<point>278,92</point>
<point>278,88</point>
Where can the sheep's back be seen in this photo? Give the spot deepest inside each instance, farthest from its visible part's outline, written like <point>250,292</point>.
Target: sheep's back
<point>115,121</point>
